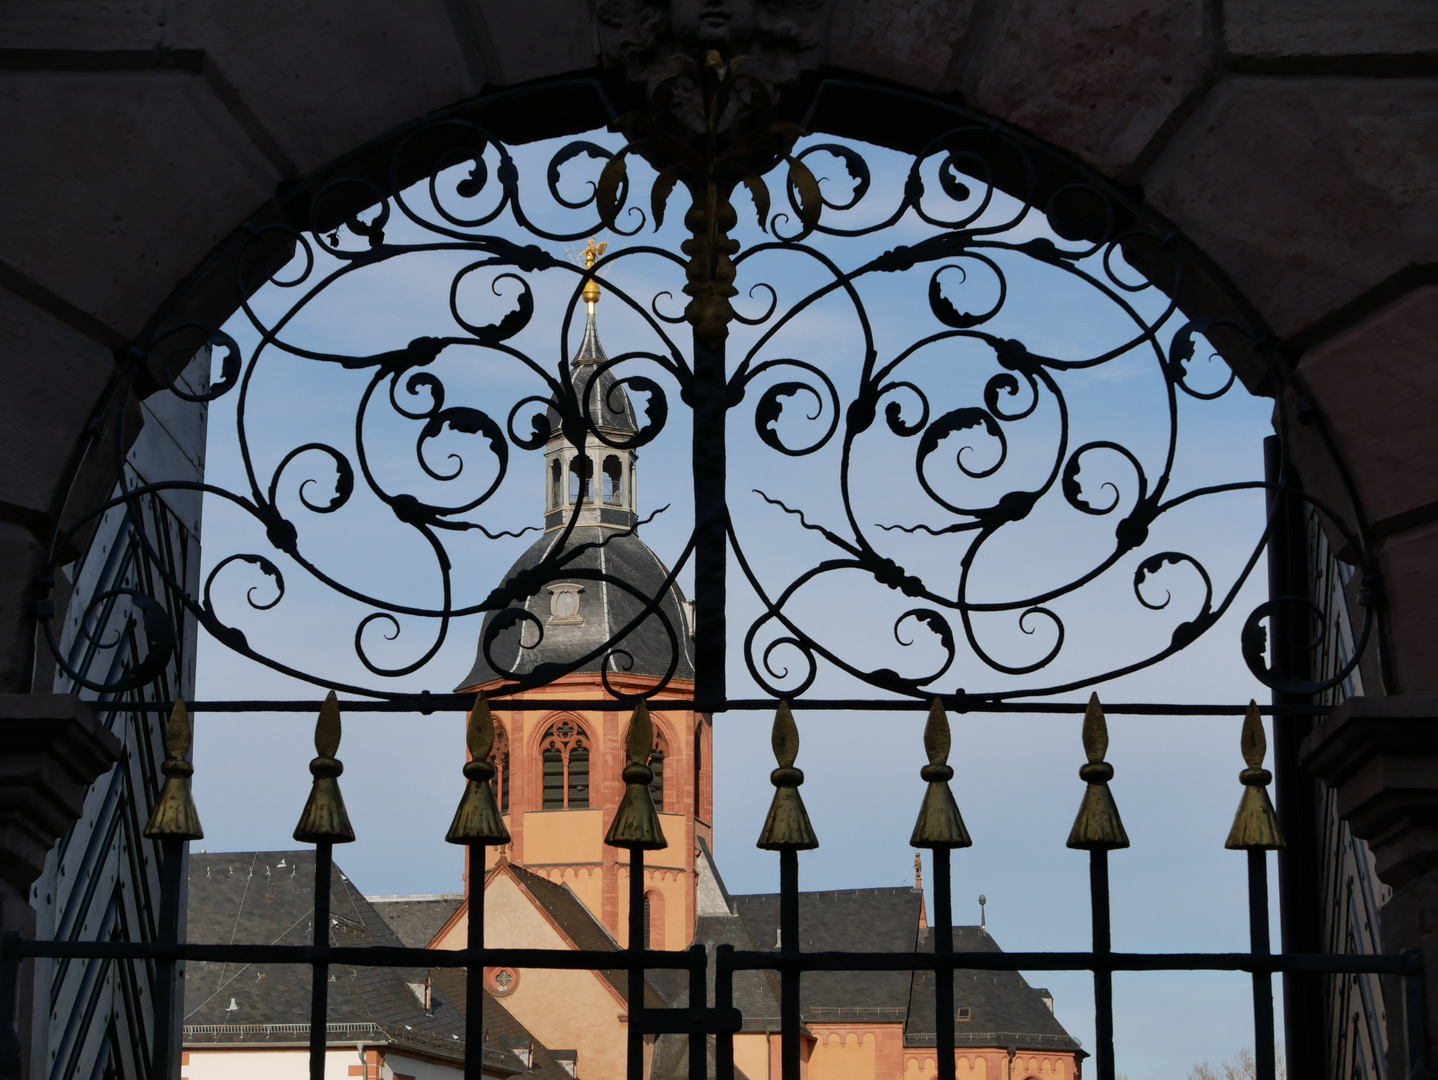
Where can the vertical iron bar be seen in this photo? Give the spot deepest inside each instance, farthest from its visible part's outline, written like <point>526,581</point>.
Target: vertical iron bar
<point>1295,793</point>
<point>710,523</point>
<point>698,997</point>
<point>1263,1053</point>
<point>637,945</point>
<point>943,946</point>
<point>723,1000</point>
<point>165,1063</point>
<point>1415,1026</point>
<point>474,974</point>
<point>9,1006</point>
<point>1102,979</point>
<point>789,977</point>
<point>320,979</point>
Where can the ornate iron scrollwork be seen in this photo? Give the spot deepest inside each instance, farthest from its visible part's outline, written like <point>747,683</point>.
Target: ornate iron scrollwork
<point>981,217</point>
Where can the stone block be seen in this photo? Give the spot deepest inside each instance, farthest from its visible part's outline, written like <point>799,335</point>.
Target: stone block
<point>538,38</point>
<point>1307,192</point>
<point>323,79</point>
<point>1410,573</point>
<point>91,25</point>
<point>909,41</point>
<point>54,750</point>
<point>150,174</point>
<point>1099,79</point>
<point>1374,385</point>
<point>53,378</point>
<point>1274,29</point>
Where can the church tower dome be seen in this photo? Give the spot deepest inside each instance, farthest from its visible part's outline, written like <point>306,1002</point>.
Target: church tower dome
<point>573,616</point>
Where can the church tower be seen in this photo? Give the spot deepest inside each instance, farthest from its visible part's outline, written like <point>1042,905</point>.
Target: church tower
<point>558,770</point>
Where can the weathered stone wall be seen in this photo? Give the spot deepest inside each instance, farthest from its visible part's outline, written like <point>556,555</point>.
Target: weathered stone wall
<point>1295,142</point>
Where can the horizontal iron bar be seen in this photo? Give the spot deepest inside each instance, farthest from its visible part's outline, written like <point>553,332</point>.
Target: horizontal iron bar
<point>1329,963</point>
<point>360,956</point>
<point>590,960</point>
<point>448,703</point>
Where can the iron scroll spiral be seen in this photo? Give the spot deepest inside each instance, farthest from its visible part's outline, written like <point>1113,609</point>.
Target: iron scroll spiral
<point>978,220</point>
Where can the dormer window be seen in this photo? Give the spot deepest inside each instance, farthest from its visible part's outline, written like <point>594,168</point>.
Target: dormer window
<point>564,605</point>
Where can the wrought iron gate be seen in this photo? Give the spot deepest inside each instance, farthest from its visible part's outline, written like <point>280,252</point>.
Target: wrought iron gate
<point>974,201</point>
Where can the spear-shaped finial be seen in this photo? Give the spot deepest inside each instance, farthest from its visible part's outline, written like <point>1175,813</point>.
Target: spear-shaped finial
<point>1255,826</point>
<point>478,821</point>
<point>1098,826</point>
<point>787,827</point>
<point>174,815</point>
<point>636,823</point>
<point>939,824</point>
<point>324,819</point>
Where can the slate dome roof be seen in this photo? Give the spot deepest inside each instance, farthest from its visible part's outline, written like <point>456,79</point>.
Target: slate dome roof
<point>603,610</point>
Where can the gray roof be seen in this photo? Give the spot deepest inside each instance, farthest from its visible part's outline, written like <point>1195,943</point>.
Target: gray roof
<point>1003,1008</point>
<point>416,919</point>
<point>868,920</point>
<point>609,405</point>
<point>266,897</point>
<point>607,565</point>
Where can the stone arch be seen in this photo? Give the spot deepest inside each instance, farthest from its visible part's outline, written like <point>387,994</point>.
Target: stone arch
<point>1249,129</point>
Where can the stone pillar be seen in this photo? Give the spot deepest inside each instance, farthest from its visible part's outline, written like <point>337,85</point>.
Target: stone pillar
<point>53,751</point>
<point>1379,755</point>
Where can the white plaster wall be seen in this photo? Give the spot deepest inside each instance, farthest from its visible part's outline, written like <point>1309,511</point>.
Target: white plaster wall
<point>418,1068</point>
<point>287,1063</point>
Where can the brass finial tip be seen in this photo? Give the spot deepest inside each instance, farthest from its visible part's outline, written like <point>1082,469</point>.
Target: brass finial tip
<point>937,740</point>
<point>327,728</point>
<point>640,743</point>
<point>785,736</point>
<point>1095,731</point>
<point>479,731</point>
<point>177,732</point>
<point>1253,741</point>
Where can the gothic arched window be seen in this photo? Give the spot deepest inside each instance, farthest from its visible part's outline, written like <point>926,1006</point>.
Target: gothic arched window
<point>613,481</point>
<point>500,757</point>
<point>564,767</point>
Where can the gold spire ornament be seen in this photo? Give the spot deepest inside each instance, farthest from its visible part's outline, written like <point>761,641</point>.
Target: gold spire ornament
<point>1098,826</point>
<point>174,816</point>
<point>478,821</point>
<point>592,253</point>
<point>1255,826</point>
<point>324,819</point>
<point>636,823</point>
<point>787,827</point>
<point>940,824</point>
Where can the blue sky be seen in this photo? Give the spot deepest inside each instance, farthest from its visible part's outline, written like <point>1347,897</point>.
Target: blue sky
<point>1016,775</point>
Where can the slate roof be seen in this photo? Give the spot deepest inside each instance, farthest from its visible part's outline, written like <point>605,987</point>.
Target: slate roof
<point>867,920</point>
<point>582,928</point>
<point>416,919</point>
<point>590,554</point>
<point>502,1029</point>
<point>265,897</point>
<point>1003,1008</point>
<point>609,408</point>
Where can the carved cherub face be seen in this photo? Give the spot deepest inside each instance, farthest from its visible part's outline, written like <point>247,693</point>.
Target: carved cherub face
<point>725,25</point>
